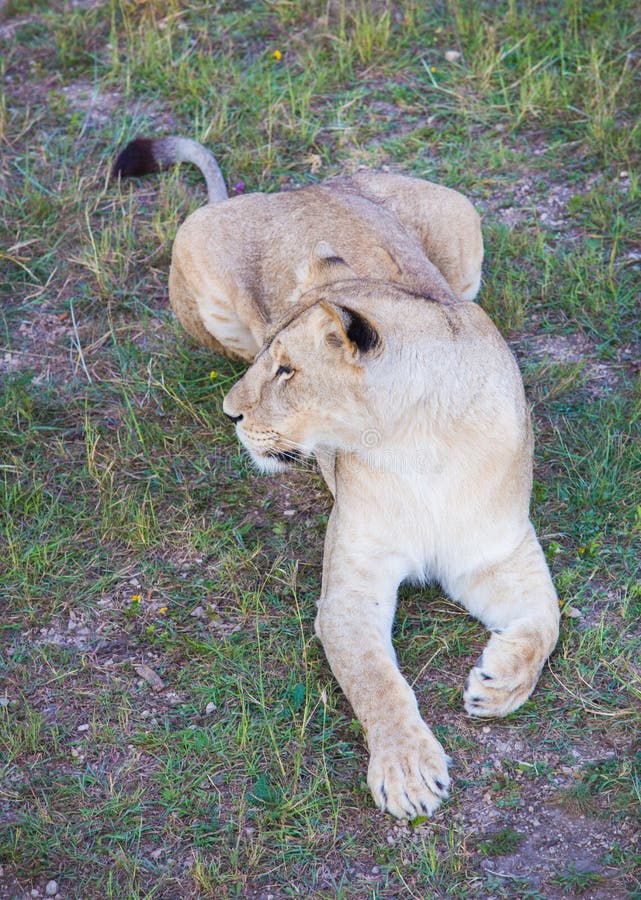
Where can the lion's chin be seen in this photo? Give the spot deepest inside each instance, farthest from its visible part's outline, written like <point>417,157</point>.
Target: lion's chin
<point>275,460</point>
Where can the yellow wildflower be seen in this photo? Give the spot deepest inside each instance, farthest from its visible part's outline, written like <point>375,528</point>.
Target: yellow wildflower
<point>136,598</point>
<point>162,609</point>
<point>432,68</point>
<point>213,374</point>
<point>277,55</point>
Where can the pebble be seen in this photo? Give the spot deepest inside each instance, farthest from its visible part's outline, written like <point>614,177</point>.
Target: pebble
<point>210,708</point>
<point>156,854</point>
<point>572,612</point>
<point>150,676</point>
<point>52,888</point>
<point>83,727</point>
<point>35,893</point>
<point>198,612</point>
<point>452,55</point>
<point>4,701</point>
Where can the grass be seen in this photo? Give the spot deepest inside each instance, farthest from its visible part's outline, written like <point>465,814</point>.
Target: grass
<point>134,534</point>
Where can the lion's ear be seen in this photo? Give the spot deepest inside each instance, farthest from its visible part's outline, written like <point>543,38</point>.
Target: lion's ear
<point>347,329</point>
<point>323,267</point>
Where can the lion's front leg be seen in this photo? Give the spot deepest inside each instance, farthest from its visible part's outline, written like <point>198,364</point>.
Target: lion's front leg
<point>408,767</point>
<point>516,600</point>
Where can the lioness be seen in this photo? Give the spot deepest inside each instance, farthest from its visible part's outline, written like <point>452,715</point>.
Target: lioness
<point>414,407</point>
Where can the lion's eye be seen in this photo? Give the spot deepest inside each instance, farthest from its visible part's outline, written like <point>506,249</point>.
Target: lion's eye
<point>284,370</point>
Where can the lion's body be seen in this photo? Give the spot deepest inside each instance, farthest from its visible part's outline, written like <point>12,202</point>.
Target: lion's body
<point>425,441</point>
<point>414,407</point>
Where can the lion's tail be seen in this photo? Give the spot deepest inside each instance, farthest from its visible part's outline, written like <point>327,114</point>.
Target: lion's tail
<point>145,155</point>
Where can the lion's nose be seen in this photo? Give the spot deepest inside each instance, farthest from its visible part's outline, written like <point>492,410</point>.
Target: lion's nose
<point>234,418</point>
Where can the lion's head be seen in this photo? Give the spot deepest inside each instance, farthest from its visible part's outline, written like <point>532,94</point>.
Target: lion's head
<point>357,366</point>
<point>308,390</point>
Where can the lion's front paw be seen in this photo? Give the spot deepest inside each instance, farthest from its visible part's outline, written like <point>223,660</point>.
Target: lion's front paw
<point>407,772</point>
<point>490,692</point>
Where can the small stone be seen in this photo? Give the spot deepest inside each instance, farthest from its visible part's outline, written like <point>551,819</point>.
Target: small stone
<point>390,839</point>
<point>156,854</point>
<point>452,55</point>
<point>572,612</point>
<point>84,727</point>
<point>150,676</point>
<point>486,729</point>
<point>35,893</point>
<point>375,870</point>
<point>289,512</point>
<point>4,702</point>
<point>210,708</point>
<point>52,888</point>
<point>198,612</point>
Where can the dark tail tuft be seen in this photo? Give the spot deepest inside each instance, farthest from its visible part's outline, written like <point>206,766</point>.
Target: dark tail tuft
<point>137,158</point>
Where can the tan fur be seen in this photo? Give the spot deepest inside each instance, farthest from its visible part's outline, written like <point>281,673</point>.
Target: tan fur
<point>425,441</point>
<point>236,263</point>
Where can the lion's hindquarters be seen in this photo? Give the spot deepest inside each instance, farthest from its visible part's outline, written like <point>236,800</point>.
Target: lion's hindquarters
<point>444,221</point>
<point>207,295</point>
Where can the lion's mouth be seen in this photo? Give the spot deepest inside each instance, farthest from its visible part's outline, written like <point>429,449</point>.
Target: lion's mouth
<point>286,457</point>
<point>275,460</point>
<point>270,458</point>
